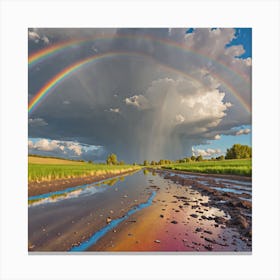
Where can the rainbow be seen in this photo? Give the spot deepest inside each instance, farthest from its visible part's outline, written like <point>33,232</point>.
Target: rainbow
<point>58,78</point>
<point>61,76</point>
<point>41,55</point>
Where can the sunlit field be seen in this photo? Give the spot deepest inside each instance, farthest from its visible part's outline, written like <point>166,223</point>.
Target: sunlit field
<point>234,167</point>
<point>45,169</point>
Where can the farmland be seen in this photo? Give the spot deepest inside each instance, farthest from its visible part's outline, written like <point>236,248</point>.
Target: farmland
<point>241,167</point>
<point>47,169</point>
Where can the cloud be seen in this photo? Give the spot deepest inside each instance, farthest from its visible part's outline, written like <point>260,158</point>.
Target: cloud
<point>35,37</point>
<point>68,149</point>
<point>179,118</point>
<point>139,101</point>
<point>217,137</point>
<point>44,145</point>
<point>116,110</point>
<point>243,131</point>
<point>76,148</point>
<point>207,152</point>
<point>34,122</point>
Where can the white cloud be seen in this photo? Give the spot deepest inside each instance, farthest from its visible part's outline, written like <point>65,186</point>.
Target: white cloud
<point>32,35</point>
<point>116,110</point>
<point>46,40</point>
<point>179,118</point>
<point>76,148</point>
<point>37,122</point>
<point>243,131</point>
<point>207,152</point>
<point>35,36</point>
<point>139,101</point>
<point>217,137</point>
<point>47,145</point>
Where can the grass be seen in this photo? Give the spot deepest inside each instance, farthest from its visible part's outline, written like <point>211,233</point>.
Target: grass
<point>51,170</point>
<point>241,167</point>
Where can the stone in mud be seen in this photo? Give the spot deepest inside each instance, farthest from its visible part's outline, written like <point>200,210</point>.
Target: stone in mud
<point>161,216</point>
<point>208,247</point>
<point>198,229</point>
<point>209,240</point>
<point>220,220</point>
<point>108,220</point>
<point>194,215</point>
<point>174,222</point>
<point>240,221</point>
<point>208,231</point>
<point>157,241</point>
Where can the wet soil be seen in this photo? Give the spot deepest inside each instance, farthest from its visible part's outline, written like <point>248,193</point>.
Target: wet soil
<point>188,214</point>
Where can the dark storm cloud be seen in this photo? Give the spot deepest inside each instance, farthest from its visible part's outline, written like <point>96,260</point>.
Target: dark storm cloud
<point>131,105</point>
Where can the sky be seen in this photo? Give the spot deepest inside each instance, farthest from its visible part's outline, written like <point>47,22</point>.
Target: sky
<point>154,93</point>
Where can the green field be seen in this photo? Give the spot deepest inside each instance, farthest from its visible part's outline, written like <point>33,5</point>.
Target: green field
<point>51,170</point>
<point>235,167</point>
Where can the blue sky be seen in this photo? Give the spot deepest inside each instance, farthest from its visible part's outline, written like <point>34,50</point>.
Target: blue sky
<point>244,38</point>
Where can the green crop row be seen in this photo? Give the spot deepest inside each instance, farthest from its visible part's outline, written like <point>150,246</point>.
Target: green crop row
<point>234,167</point>
<point>47,172</point>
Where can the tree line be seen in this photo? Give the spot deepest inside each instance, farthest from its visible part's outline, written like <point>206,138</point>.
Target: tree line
<point>237,151</point>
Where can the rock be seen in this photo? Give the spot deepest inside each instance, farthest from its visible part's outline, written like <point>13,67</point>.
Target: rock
<point>161,216</point>
<point>177,211</point>
<point>198,229</point>
<point>157,241</point>
<point>174,222</point>
<point>129,234</point>
<point>204,217</point>
<point>209,240</point>
<point>108,220</point>
<point>194,215</point>
<point>208,247</point>
<point>220,220</point>
<point>208,231</point>
<point>125,196</point>
<point>111,211</point>
<point>241,221</point>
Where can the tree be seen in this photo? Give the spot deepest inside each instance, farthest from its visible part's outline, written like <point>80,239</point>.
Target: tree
<point>199,158</point>
<point>193,158</point>
<point>112,159</point>
<point>146,163</point>
<point>222,157</point>
<point>238,151</point>
<point>187,159</point>
<point>121,162</point>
